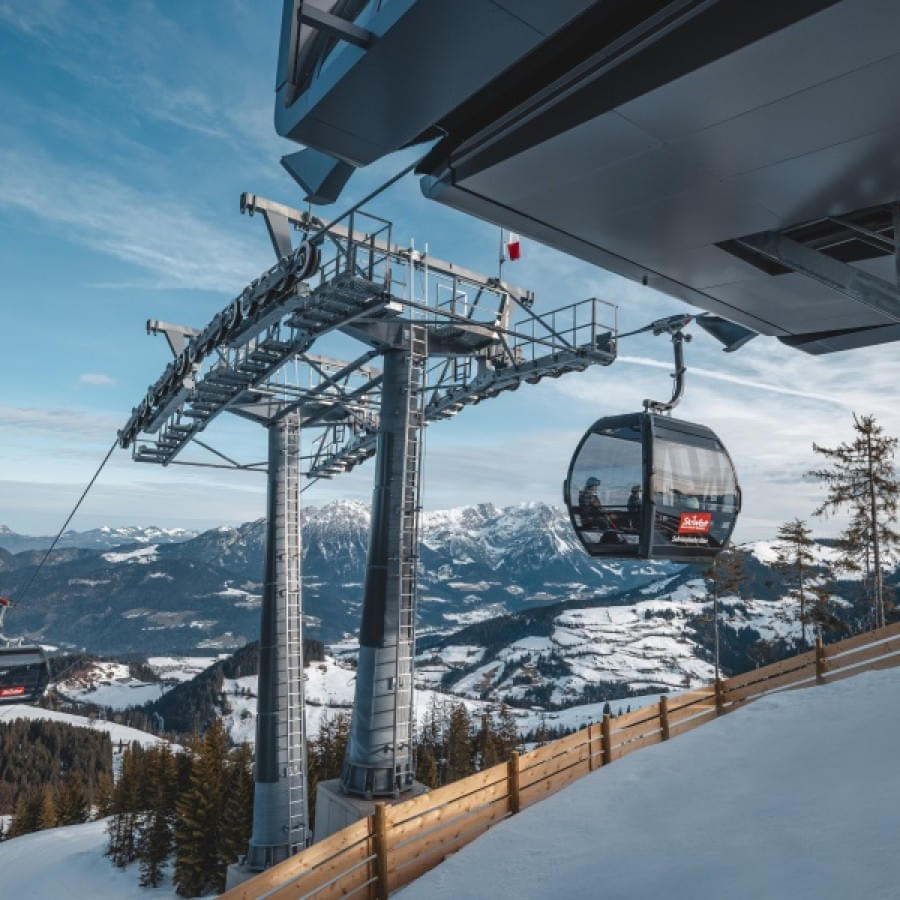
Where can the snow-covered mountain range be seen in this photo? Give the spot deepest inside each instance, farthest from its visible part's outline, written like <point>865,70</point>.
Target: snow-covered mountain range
<point>511,608</point>
<point>203,592</point>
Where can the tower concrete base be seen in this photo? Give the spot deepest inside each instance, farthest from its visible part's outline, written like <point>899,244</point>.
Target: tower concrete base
<point>336,810</point>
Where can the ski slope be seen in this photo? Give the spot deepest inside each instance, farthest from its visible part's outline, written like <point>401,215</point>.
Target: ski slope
<point>123,734</point>
<point>793,796</point>
<point>70,862</point>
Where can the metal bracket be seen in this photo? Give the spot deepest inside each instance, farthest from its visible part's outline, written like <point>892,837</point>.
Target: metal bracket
<point>867,290</point>
<point>278,224</point>
<point>174,334</point>
<point>335,26</point>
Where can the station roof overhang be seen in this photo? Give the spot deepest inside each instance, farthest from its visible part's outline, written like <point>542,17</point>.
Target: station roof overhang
<point>668,142</point>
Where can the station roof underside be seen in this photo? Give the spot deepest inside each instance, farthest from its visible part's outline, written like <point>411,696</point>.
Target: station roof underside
<point>657,140</point>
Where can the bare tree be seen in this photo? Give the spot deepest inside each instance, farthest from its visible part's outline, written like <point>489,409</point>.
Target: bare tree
<point>860,478</point>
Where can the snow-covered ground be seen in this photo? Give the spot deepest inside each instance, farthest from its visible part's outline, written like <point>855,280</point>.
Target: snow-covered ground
<point>329,691</point>
<point>118,733</point>
<point>110,684</point>
<point>649,645</point>
<point>182,668</point>
<point>69,862</point>
<point>793,796</point>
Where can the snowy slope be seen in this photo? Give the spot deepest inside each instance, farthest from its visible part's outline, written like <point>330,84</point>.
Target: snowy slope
<point>329,691</point>
<point>577,654</point>
<point>106,683</point>
<point>793,796</point>
<point>117,733</point>
<point>69,862</point>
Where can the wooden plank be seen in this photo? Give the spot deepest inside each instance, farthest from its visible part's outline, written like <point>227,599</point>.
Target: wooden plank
<point>770,684</point>
<point>300,862</point>
<point>677,701</point>
<point>887,662</point>
<point>645,740</point>
<point>636,732</point>
<point>528,777</point>
<point>862,640</point>
<point>444,835</point>
<point>606,738</point>
<point>664,716</point>
<point>784,665</point>
<point>635,717</point>
<point>428,820</point>
<point>552,784</point>
<point>422,864</point>
<point>353,886</point>
<point>885,648</point>
<point>512,781</point>
<point>380,841</point>
<point>340,865</point>
<point>554,748</point>
<point>690,724</point>
<point>686,712</point>
<point>399,812</point>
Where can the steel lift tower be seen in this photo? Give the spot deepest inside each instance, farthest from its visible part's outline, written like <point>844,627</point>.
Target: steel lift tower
<point>448,337</point>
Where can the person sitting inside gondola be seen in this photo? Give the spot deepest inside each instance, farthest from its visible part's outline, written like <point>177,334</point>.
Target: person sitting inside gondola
<point>593,515</point>
<point>633,506</point>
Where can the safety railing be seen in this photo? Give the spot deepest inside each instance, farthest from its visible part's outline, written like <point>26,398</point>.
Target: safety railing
<point>400,842</point>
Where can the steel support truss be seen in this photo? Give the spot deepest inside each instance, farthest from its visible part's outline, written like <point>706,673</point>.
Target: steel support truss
<point>449,337</point>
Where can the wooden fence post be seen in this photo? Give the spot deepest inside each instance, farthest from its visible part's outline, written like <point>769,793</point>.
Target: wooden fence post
<point>381,861</point>
<point>664,716</point>
<point>606,734</point>
<point>512,775</point>
<point>591,747</point>
<point>820,661</point>
<point>720,697</point>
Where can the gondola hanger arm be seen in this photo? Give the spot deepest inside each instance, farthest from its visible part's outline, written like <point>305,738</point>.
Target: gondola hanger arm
<point>674,326</point>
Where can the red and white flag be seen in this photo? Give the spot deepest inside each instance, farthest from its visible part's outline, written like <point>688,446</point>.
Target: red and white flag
<point>513,246</point>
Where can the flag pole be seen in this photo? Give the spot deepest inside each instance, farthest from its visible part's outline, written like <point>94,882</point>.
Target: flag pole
<point>502,258</point>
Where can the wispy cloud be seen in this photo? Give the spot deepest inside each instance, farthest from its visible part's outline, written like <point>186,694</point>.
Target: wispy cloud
<point>95,378</point>
<point>158,234</point>
<point>734,379</point>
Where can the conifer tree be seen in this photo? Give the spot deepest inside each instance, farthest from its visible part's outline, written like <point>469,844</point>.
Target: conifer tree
<point>427,766</point>
<point>237,808</point>
<point>122,827</point>
<point>73,801</point>
<point>860,477</point>
<point>795,562</point>
<point>459,744</point>
<point>507,733</point>
<point>155,822</point>
<point>486,743</point>
<point>22,822</point>
<point>103,795</point>
<point>198,864</point>
<point>48,816</point>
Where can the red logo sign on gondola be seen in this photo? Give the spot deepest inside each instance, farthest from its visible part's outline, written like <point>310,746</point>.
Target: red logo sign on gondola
<point>694,523</point>
<point>16,691</point>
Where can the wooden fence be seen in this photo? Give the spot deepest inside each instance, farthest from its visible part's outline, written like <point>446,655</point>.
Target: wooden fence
<point>401,841</point>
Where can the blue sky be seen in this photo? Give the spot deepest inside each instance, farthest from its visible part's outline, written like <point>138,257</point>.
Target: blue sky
<point>129,130</point>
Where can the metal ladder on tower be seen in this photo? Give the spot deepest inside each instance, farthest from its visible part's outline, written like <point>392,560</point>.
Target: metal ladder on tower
<point>404,707</point>
<point>292,728</point>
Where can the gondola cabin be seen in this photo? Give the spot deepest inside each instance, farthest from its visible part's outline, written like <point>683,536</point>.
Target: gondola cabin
<point>648,486</point>
<point>24,674</point>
